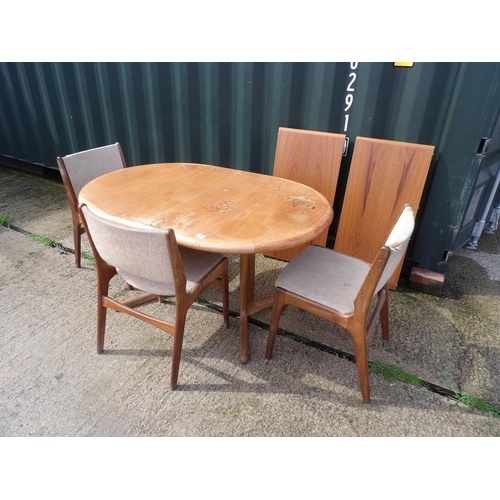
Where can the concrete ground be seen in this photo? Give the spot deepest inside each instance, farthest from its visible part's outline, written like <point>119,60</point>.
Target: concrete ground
<point>53,383</point>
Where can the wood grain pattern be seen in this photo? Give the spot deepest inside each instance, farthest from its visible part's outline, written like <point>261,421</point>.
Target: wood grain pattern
<point>311,158</point>
<point>211,208</point>
<point>383,177</point>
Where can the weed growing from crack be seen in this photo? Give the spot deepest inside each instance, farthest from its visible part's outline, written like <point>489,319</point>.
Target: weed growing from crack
<point>392,373</point>
<point>4,219</point>
<point>88,257</point>
<point>471,401</point>
<point>47,241</point>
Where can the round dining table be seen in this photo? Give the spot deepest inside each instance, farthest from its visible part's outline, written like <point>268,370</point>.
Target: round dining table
<point>215,209</point>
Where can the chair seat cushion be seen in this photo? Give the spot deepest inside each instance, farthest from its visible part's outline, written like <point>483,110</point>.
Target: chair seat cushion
<point>196,265</point>
<point>324,276</point>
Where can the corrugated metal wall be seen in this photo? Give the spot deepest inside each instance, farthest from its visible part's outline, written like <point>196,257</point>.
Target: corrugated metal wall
<point>229,113</point>
<point>218,113</point>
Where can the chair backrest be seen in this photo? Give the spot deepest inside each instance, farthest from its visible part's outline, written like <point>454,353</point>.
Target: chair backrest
<point>312,158</point>
<point>149,254</point>
<point>397,242</point>
<point>84,166</point>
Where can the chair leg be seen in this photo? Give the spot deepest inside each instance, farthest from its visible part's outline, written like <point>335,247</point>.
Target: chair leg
<point>180,321</point>
<point>225,296</point>
<point>384,314</point>
<point>278,307</point>
<point>102,290</point>
<point>77,244</point>
<point>361,354</point>
<point>101,324</point>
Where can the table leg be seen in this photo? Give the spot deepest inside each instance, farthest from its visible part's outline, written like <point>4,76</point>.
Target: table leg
<point>247,281</point>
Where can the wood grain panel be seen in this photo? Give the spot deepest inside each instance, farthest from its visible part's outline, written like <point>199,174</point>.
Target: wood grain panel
<point>311,158</point>
<point>384,176</point>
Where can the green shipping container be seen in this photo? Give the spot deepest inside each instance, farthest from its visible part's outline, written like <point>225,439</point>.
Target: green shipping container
<point>229,113</point>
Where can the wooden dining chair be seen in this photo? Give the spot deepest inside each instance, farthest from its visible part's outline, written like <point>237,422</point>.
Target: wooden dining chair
<point>312,158</point>
<point>79,168</point>
<point>151,261</point>
<point>339,288</point>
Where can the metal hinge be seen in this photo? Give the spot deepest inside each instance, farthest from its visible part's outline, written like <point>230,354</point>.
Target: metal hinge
<point>483,145</point>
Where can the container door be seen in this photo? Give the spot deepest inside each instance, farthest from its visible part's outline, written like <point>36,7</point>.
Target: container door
<point>485,192</point>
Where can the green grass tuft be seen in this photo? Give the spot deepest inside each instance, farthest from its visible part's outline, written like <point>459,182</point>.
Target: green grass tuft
<point>392,373</point>
<point>44,239</point>
<point>477,404</point>
<point>471,401</point>
<point>47,241</point>
<point>5,219</point>
<point>88,257</point>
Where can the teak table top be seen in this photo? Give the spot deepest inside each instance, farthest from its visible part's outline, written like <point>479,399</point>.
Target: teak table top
<point>214,209</point>
<point>211,208</point>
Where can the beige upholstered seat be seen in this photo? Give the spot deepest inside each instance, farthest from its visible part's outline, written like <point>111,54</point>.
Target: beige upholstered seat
<point>314,271</point>
<point>78,169</point>
<point>150,260</point>
<point>339,288</point>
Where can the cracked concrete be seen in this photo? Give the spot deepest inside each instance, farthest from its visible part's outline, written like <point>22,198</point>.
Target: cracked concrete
<point>54,384</point>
